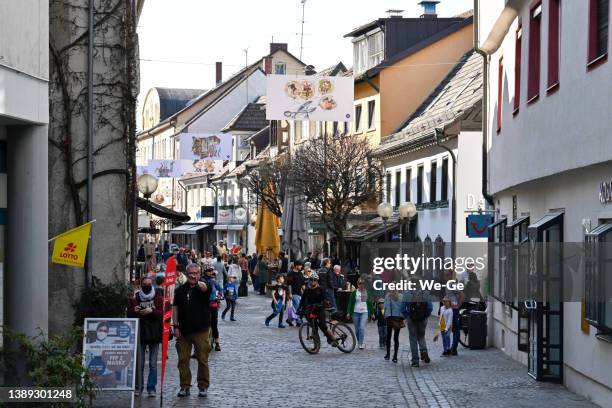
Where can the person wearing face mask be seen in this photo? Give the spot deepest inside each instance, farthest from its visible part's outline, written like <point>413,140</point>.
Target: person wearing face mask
<point>147,305</point>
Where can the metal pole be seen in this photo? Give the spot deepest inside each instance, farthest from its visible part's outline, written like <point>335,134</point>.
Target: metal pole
<point>90,130</point>
<point>302,35</point>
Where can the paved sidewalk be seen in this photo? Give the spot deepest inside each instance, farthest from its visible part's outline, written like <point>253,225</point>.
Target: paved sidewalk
<point>263,366</point>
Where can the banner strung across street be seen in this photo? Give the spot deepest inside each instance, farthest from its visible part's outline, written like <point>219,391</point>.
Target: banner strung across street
<point>109,352</point>
<point>140,170</point>
<point>200,146</point>
<point>168,168</point>
<point>204,166</point>
<point>299,97</point>
<point>169,284</point>
<point>70,247</point>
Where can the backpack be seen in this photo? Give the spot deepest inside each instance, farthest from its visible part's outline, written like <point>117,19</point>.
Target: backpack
<point>418,311</point>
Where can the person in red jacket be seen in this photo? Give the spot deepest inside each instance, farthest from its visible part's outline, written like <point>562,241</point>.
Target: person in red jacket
<point>147,305</point>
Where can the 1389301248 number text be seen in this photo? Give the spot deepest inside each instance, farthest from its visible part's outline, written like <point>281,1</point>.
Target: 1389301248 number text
<point>33,394</point>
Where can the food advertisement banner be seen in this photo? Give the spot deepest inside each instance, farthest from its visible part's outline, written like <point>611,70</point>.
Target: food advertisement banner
<point>299,97</point>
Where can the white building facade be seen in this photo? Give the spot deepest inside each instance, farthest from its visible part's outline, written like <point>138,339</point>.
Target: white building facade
<point>24,190</point>
<point>548,133</point>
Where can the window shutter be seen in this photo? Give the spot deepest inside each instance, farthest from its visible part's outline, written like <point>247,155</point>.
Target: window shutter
<point>554,17</point>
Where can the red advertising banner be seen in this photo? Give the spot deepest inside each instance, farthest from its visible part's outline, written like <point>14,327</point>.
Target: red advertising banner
<point>169,284</point>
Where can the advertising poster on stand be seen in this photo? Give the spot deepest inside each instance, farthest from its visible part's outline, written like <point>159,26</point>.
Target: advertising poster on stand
<point>299,97</point>
<point>109,352</point>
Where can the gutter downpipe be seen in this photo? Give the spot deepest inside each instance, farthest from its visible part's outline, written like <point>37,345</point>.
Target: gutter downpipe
<point>90,130</point>
<point>485,104</point>
<point>485,138</point>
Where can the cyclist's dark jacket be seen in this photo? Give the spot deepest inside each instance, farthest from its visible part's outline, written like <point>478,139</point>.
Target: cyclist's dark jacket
<point>312,296</point>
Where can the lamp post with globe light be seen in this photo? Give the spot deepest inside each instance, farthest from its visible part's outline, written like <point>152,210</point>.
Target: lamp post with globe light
<point>406,212</point>
<point>147,184</point>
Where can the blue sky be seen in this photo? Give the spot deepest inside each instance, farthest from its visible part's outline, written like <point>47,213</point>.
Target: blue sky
<point>205,31</point>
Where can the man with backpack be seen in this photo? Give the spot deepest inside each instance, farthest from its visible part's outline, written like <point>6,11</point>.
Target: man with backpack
<point>417,308</point>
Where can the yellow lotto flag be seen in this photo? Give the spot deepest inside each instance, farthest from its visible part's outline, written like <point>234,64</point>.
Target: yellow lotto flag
<point>71,246</point>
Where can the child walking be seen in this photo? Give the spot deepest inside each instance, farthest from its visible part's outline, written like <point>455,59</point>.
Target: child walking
<point>278,301</point>
<point>231,295</point>
<point>446,325</point>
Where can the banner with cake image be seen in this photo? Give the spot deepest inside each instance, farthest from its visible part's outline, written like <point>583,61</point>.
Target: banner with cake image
<point>300,97</point>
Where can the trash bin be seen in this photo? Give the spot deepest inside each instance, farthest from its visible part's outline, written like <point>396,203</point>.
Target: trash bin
<point>477,330</point>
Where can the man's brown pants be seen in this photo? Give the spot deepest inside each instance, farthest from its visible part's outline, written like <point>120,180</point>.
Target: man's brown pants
<point>201,343</point>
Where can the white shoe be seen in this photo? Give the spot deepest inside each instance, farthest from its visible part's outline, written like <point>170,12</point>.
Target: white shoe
<point>361,346</point>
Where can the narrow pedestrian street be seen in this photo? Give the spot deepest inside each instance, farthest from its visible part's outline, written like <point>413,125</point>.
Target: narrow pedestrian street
<point>263,366</point>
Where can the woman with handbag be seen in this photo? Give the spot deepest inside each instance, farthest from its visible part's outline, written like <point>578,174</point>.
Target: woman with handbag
<point>360,310</point>
<point>395,321</point>
<point>216,295</point>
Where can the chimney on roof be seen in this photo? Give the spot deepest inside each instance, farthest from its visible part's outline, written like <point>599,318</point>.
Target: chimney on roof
<point>268,65</point>
<point>429,9</point>
<point>218,72</point>
<point>278,46</point>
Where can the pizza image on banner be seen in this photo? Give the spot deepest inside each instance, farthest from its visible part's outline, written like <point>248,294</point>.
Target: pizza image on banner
<point>71,246</point>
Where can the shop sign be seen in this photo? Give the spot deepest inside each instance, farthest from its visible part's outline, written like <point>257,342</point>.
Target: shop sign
<point>477,225</point>
<point>605,192</point>
<point>224,216</point>
<point>240,215</point>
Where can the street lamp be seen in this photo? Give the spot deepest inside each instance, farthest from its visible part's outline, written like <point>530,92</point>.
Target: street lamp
<point>406,212</point>
<point>385,211</point>
<point>147,184</point>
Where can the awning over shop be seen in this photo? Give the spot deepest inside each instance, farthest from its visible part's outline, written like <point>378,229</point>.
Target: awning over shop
<point>189,229</point>
<point>371,229</point>
<point>161,211</point>
<point>147,230</point>
<point>230,227</point>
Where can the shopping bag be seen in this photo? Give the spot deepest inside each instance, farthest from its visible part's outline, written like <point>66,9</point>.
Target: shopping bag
<point>291,314</point>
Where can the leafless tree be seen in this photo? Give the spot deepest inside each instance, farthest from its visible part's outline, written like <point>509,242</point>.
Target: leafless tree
<point>336,175</point>
<point>268,181</point>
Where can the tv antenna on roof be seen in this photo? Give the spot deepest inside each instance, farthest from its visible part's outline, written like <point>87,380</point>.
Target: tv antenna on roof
<point>302,35</point>
<point>394,12</point>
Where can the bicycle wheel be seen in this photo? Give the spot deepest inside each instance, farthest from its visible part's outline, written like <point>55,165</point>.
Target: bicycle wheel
<point>464,338</point>
<point>345,337</point>
<point>309,338</point>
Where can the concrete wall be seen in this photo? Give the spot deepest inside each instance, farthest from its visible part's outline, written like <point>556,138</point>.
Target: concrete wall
<point>219,115</point>
<point>406,84</point>
<point>438,221</point>
<point>24,31</point>
<point>587,359</point>
<point>151,109</point>
<point>533,141</point>
<point>115,87</point>
<point>24,115</point>
<point>432,222</point>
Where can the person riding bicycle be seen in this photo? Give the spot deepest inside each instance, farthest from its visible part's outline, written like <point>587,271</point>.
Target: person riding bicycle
<point>313,302</point>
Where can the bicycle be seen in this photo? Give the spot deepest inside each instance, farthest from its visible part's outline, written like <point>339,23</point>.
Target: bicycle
<point>311,341</point>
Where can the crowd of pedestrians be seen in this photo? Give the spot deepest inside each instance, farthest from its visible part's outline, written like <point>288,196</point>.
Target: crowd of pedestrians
<point>205,281</point>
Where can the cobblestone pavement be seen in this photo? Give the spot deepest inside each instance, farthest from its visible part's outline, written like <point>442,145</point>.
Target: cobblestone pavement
<point>263,366</point>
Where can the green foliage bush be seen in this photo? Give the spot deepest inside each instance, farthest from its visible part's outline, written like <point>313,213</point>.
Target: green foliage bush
<point>48,362</point>
<point>102,300</point>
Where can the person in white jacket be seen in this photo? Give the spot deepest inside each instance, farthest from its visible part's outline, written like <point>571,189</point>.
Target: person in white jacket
<point>446,325</point>
<point>234,270</point>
